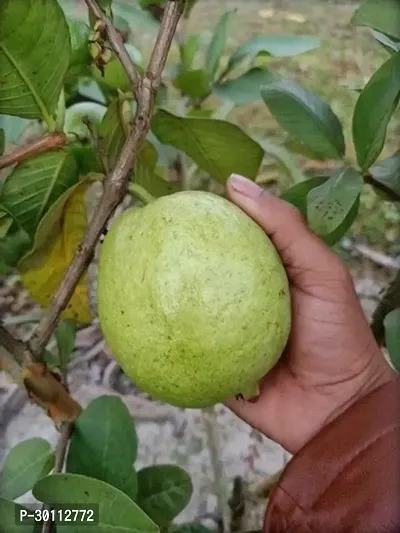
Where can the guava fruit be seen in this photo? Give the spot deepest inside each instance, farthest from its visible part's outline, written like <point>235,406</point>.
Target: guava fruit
<point>193,299</point>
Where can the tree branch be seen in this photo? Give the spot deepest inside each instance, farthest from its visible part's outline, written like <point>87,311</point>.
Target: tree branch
<point>49,142</point>
<point>389,302</point>
<point>116,182</point>
<point>391,193</point>
<point>42,386</point>
<point>116,44</point>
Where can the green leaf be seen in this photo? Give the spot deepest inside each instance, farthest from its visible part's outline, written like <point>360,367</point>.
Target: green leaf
<point>189,50</point>
<point>246,88</point>
<point>80,58</point>
<point>193,83</point>
<point>137,18</point>
<point>298,196</point>
<point>275,46</point>
<point>34,57</point>
<point>392,45</point>
<point>35,185</point>
<point>382,15</point>
<point>117,512</point>
<point>387,173</point>
<point>374,109</point>
<point>8,512</point>
<point>65,336</point>
<point>306,117</point>
<point>392,335</point>
<point>163,492</point>
<point>217,147</point>
<point>217,44</point>
<point>329,204</point>
<point>12,247</point>
<point>114,129</point>
<point>25,464</point>
<point>190,527</point>
<point>285,160</point>
<point>5,223</point>
<point>77,113</point>
<point>147,174</point>
<point>104,444</point>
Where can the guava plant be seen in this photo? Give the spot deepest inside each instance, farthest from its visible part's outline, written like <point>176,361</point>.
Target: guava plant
<point>85,104</point>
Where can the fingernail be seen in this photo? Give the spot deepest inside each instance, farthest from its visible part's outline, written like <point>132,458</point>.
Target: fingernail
<point>244,186</point>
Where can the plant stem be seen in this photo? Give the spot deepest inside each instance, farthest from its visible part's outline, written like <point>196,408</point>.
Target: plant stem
<point>45,144</point>
<point>220,482</point>
<point>140,193</point>
<point>391,193</point>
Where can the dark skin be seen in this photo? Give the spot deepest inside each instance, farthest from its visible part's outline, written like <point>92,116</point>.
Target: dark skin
<point>332,358</point>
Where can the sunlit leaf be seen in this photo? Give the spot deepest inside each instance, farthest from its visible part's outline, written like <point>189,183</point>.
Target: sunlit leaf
<point>273,45</point>
<point>217,44</point>
<point>306,117</point>
<point>217,147</point>
<point>382,15</point>
<point>374,109</point>
<point>33,186</point>
<point>189,50</point>
<point>117,512</point>
<point>163,492</point>
<point>104,444</point>
<point>57,240</point>
<point>194,83</point>
<point>34,57</point>
<point>25,464</point>
<point>246,88</point>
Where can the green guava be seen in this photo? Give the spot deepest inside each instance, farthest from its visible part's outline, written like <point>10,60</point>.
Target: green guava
<point>193,299</point>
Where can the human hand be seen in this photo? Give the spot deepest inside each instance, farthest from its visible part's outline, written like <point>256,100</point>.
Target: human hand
<point>332,358</point>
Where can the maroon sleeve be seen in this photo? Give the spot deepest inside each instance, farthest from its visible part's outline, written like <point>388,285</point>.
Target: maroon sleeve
<point>347,478</point>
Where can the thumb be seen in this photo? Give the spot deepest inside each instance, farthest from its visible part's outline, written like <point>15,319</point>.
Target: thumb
<point>298,247</point>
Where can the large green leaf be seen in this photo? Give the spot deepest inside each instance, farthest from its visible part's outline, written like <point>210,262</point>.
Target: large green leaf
<point>104,444</point>
<point>217,44</point>
<point>306,117</point>
<point>329,204</point>
<point>34,57</point>
<point>163,492</point>
<point>147,175</point>
<point>387,173</point>
<point>273,45</point>
<point>374,109</point>
<point>193,83</point>
<point>114,129</point>
<point>298,196</point>
<point>25,464</point>
<point>383,15</point>
<point>80,58</point>
<point>117,513</point>
<point>246,88</point>
<point>217,147</point>
<point>35,185</point>
<point>10,512</point>
<point>392,335</point>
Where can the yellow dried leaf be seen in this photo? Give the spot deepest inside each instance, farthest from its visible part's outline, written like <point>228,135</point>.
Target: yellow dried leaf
<point>44,269</point>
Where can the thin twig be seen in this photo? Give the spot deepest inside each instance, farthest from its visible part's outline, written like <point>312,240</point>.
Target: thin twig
<point>116,183</point>
<point>391,193</point>
<point>117,44</point>
<point>389,302</point>
<point>45,144</point>
<point>60,455</point>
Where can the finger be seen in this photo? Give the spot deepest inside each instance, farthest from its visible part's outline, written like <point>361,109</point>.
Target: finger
<point>297,245</point>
